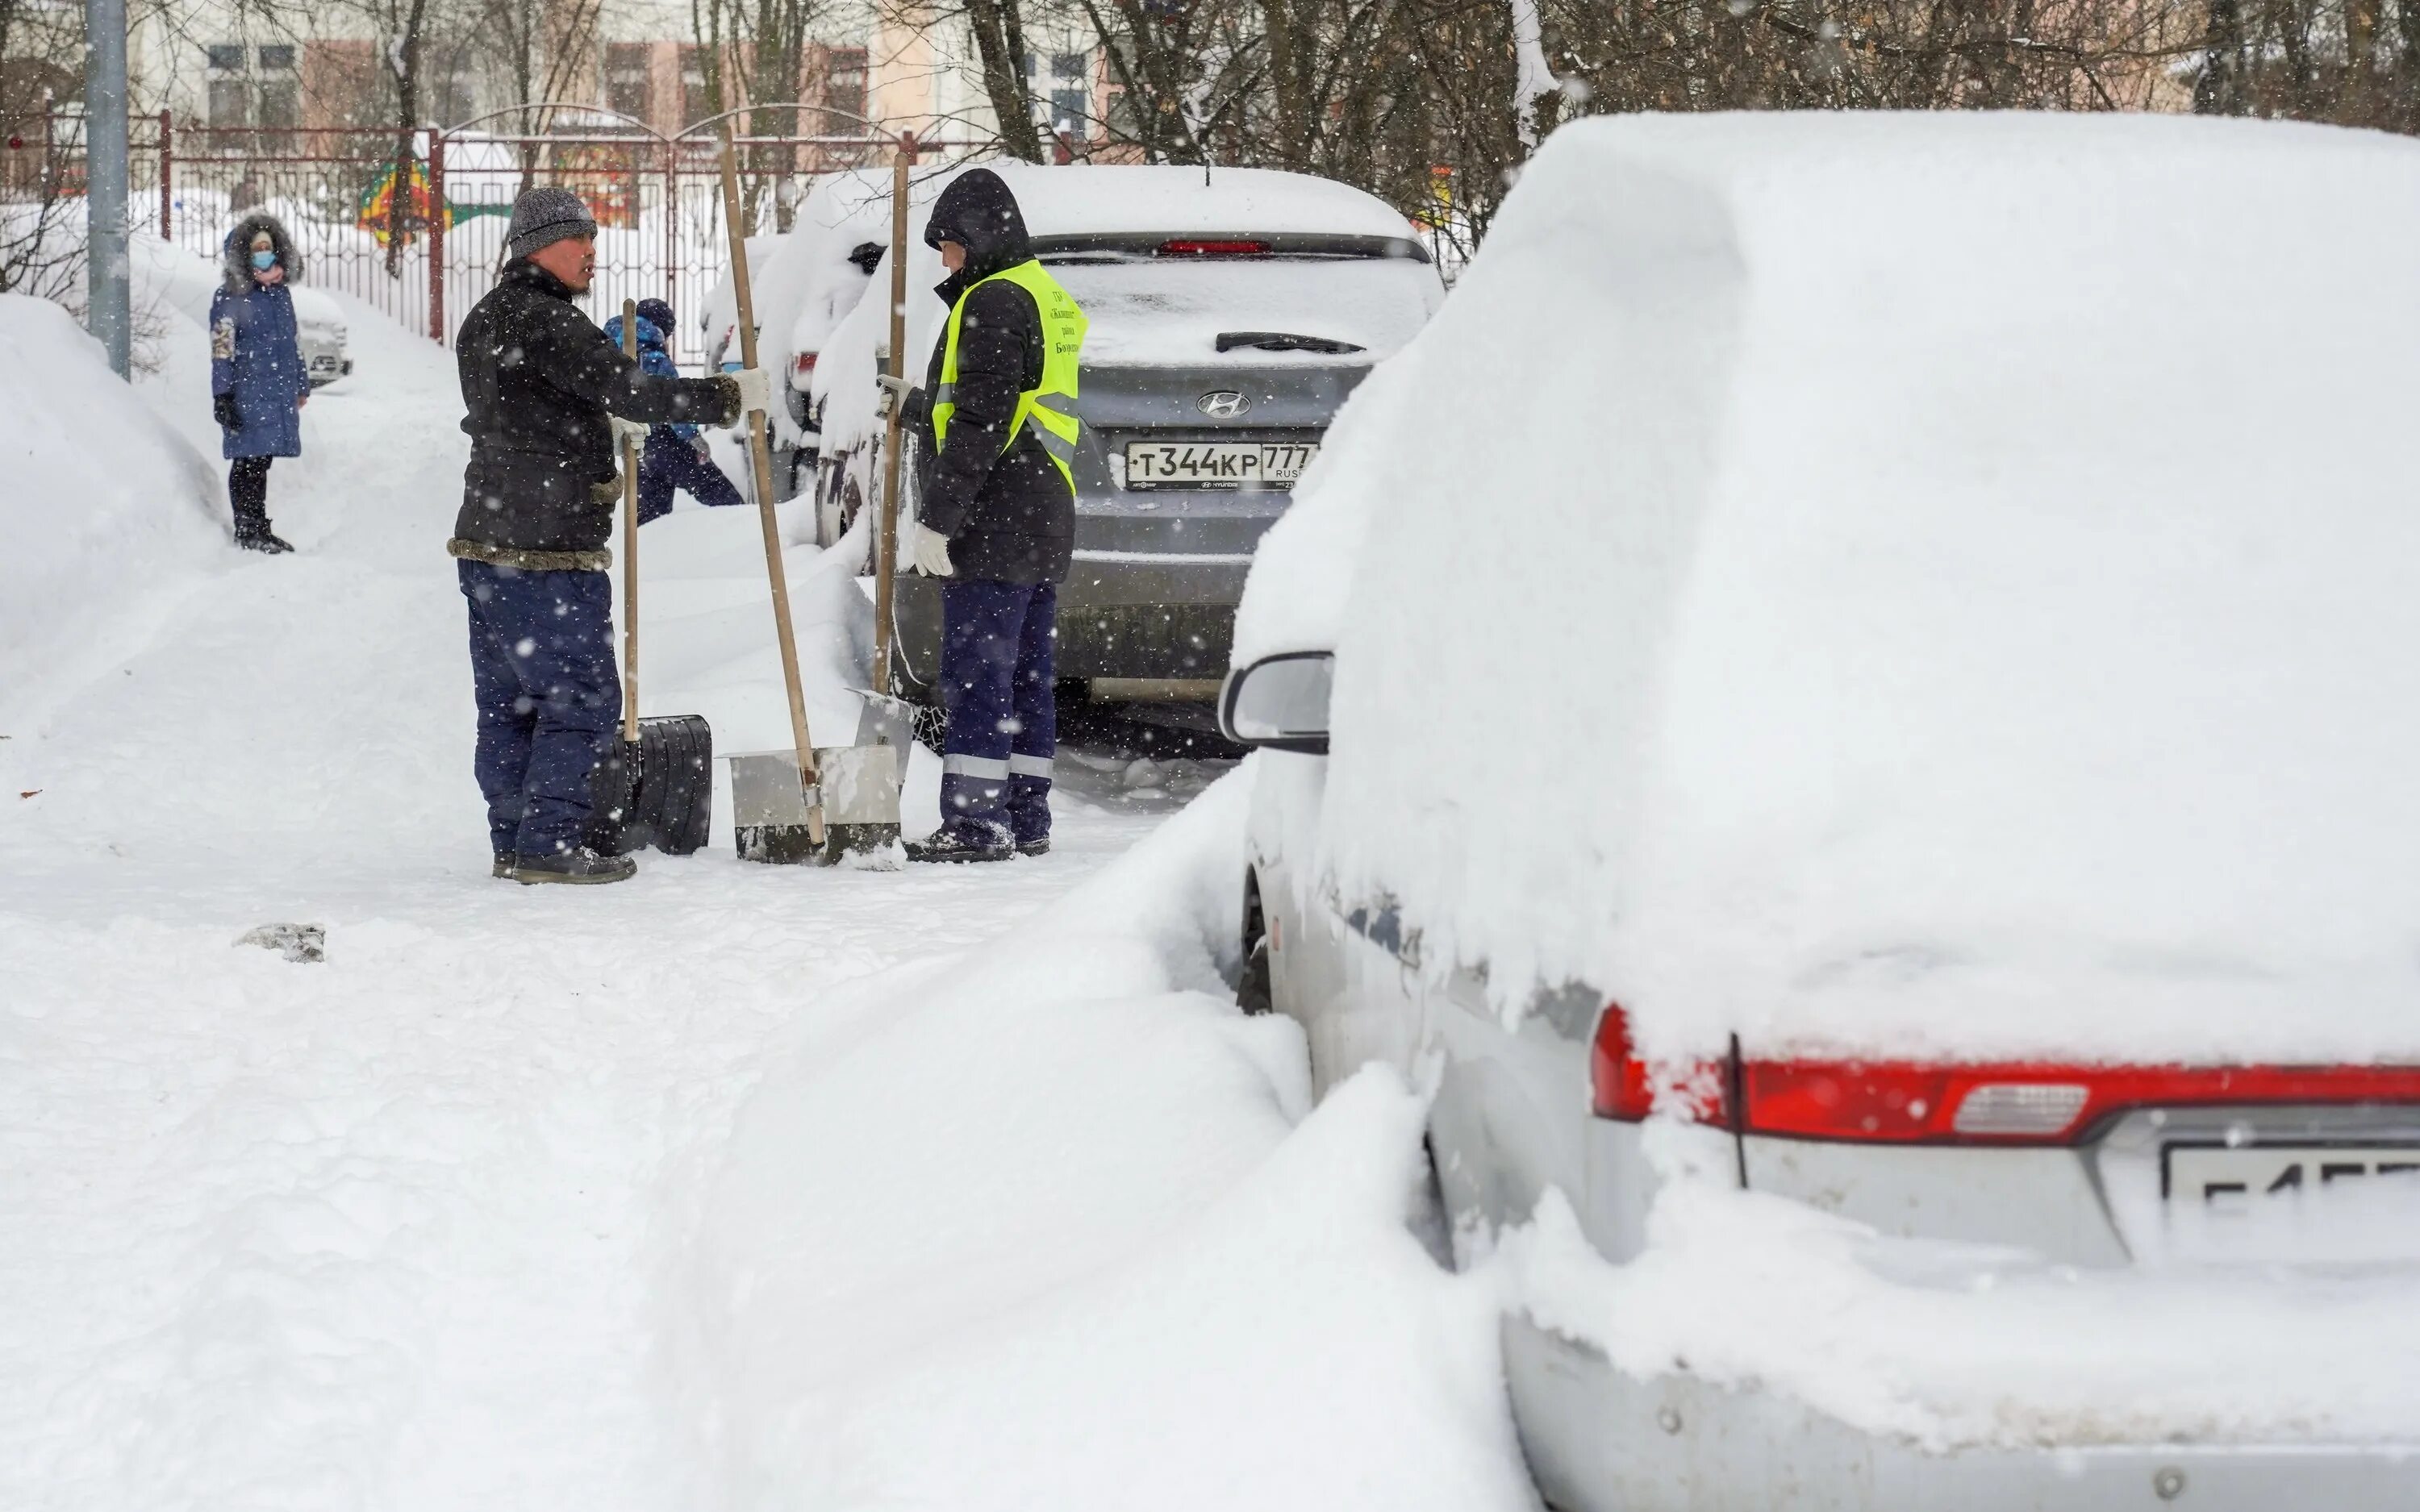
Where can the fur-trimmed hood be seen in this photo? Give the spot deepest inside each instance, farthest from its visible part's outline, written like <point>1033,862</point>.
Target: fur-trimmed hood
<point>235,253</point>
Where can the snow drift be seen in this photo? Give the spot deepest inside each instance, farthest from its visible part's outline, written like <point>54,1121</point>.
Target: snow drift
<point>101,493</point>
<point>1029,1229</point>
<point>1936,584</point>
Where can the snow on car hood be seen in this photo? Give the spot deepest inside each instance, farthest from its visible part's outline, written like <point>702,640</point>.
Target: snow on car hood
<point>1899,584</point>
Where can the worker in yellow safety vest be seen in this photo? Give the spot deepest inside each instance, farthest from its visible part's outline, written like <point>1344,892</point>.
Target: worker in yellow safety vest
<point>997,519</point>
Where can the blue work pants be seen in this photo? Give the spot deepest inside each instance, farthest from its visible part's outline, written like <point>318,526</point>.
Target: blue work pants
<point>997,642</point>
<point>542,662</point>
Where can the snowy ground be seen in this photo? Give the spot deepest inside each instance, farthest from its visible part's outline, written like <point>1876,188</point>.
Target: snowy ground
<point>730,1187</point>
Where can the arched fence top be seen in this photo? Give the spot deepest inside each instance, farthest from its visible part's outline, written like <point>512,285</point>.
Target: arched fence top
<point>526,107</point>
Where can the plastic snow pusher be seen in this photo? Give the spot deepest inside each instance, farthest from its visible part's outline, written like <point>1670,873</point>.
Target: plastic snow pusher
<point>801,805</point>
<point>655,786</point>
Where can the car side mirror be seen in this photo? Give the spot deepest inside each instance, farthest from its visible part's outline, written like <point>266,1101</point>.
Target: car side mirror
<point>1279,702</point>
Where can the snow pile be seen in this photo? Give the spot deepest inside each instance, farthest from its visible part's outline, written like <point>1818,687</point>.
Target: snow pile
<point>1938,584</point>
<point>103,495</point>
<point>1028,1230</point>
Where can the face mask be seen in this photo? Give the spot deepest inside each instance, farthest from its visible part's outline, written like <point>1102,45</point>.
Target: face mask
<point>263,260</point>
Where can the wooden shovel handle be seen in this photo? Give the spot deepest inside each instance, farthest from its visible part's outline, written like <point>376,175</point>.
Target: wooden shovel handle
<point>886,539</point>
<point>631,548</point>
<point>763,457</point>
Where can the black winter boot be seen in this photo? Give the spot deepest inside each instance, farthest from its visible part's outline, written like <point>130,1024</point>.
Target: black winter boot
<point>248,502</point>
<point>946,845</point>
<point>579,866</point>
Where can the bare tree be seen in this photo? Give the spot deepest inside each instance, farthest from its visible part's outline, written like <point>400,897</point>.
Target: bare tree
<point>41,148</point>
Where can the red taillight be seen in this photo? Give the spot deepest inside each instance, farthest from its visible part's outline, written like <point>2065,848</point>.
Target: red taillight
<point>2027,1102</point>
<point>2024,1102</point>
<point>1214,248</point>
<point>1629,1089</point>
<point>803,364</point>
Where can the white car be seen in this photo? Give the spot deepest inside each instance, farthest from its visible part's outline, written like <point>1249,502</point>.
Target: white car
<point>319,329</point>
<point>1860,737</point>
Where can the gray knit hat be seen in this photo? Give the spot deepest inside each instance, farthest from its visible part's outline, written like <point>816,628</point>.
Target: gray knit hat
<point>544,215</point>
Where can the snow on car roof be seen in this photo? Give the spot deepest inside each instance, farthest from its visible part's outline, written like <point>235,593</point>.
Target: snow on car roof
<point>1931,585</point>
<point>1108,199</point>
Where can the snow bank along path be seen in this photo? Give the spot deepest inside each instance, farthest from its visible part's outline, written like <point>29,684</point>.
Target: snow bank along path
<point>443,1222</point>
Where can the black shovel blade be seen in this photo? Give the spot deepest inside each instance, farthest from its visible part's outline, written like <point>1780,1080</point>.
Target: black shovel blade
<point>655,791</point>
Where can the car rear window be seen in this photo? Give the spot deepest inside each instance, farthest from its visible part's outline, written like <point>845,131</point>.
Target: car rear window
<point>1150,308</point>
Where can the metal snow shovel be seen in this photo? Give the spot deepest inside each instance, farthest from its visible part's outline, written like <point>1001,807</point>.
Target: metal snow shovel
<point>802,805</point>
<point>656,786</point>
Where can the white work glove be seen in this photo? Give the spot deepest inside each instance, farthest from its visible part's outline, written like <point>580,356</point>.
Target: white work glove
<point>756,390</point>
<point>629,431</point>
<point>895,395</point>
<point>931,550</point>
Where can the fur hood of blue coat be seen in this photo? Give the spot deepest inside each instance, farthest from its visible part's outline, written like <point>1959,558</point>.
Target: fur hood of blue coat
<point>235,253</point>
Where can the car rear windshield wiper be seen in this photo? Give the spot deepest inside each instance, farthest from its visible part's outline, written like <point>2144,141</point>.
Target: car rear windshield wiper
<point>1282,341</point>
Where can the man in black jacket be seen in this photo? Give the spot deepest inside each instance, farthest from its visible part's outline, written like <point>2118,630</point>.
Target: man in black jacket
<point>546,397</point>
<point>997,519</point>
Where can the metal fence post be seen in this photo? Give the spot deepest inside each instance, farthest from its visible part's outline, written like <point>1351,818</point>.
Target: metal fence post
<point>167,175</point>
<point>672,243</point>
<point>436,237</point>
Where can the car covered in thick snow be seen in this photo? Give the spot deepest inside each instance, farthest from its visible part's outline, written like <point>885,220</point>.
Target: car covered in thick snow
<point>805,280</point>
<point>1231,316</point>
<point>319,332</point>
<point>1849,707</point>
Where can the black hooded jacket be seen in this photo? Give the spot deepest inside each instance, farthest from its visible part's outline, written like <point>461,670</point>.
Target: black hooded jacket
<point>1009,515</point>
<point>538,380</point>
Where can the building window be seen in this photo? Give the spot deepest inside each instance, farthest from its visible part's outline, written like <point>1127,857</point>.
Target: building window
<point>281,102</point>
<point>1064,97</point>
<point>628,80</point>
<point>844,92</point>
<point>1071,94</point>
<point>226,57</point>
<point>230,101</point>
<point>695,105</point>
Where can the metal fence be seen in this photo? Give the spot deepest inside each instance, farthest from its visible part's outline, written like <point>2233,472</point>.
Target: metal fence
<point>414,224</point>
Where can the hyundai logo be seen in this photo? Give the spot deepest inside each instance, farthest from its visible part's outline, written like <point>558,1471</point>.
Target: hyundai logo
<point>1224,404</point>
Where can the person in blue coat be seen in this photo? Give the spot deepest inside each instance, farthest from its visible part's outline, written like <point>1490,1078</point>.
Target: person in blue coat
<point>673,457</point>
<point>259,384</point>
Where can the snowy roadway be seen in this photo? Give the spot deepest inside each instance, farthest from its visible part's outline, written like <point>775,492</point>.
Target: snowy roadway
<point>732,1187</point>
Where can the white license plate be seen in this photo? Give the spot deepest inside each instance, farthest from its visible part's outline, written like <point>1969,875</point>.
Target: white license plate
<point>1217,464</point>
<point>2220,1179</point>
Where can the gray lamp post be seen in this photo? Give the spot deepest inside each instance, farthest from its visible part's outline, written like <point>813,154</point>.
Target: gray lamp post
<point>111,313</point>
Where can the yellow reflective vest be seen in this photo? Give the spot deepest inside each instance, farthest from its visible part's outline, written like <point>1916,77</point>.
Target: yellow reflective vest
<point>1050,407</point>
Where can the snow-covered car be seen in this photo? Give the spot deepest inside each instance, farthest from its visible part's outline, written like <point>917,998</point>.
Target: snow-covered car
<point>1229,319</point>
<point>1849,707</point>
<point>804,281</point>
<point>319,329</point>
